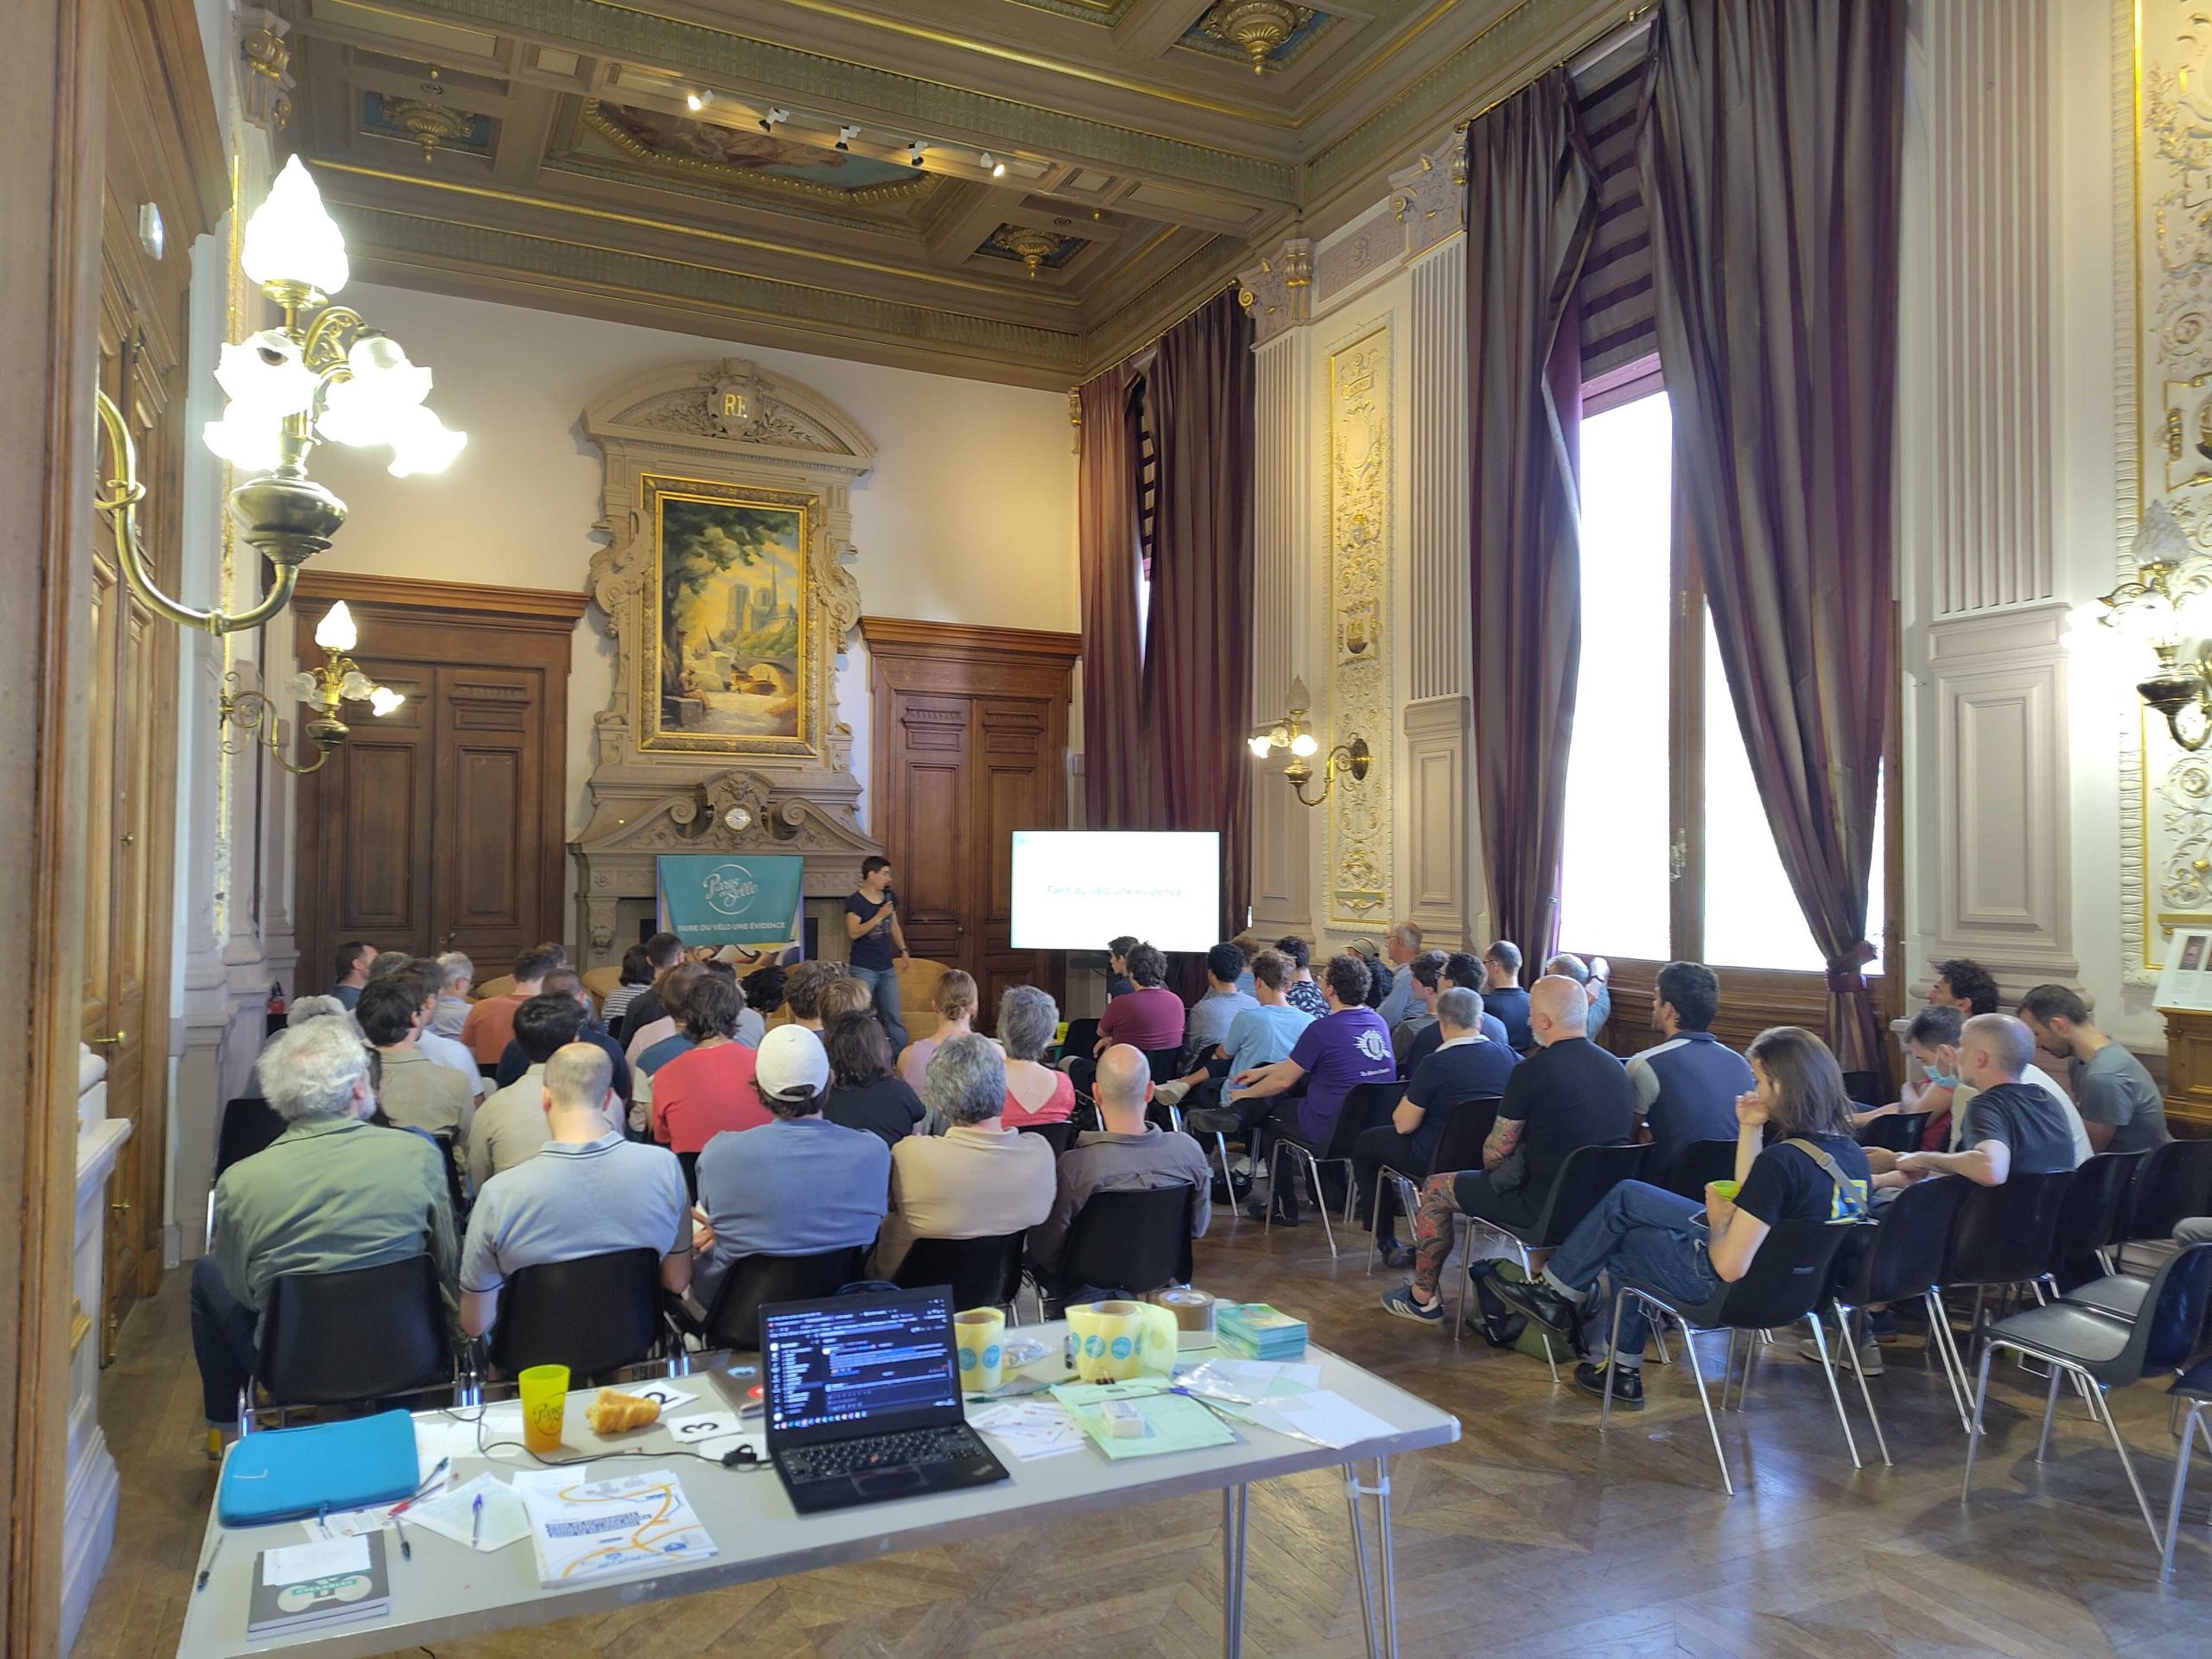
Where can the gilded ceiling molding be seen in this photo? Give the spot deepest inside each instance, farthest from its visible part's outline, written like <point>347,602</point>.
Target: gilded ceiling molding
<point>591,112</point>
<point>1429,198</point>
<point>1277,292</point>
<point>264,45</point>
<point>637,36</point>
<point>478,249</point>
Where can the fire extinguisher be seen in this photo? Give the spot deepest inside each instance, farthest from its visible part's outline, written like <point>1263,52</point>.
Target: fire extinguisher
<point>275,1022</point>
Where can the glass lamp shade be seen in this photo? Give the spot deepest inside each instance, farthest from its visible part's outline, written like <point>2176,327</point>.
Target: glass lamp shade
<point>2147,620</point>
<point>264,376</point>
<point>1260,745</point>
<point>290,239</point>
<point>304,686</point>
<point>384,700</point>
<point>248,441</point>
<point>376,403</point>
<point>1305,745</point>
<point>356,687</point>
<point>336,631</point>
<point>423,443</point>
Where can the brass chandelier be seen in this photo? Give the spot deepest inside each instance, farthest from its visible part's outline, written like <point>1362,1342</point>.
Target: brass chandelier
<point>1293,732</point>
<point>337,680</point>
<point>2162,608</point>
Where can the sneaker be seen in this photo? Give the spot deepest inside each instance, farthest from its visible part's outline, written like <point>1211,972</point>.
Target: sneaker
<point>1539,1301</point>
<point>1881,1325</point>
<point>1256,1210</point>
<point>1628,1383</point>
<point>1401,1302</point>
<point>1870,1356</point>
<point>1396,1255</point>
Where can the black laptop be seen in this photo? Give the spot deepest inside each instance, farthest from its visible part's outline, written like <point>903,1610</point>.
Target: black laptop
<point>863,1400</point>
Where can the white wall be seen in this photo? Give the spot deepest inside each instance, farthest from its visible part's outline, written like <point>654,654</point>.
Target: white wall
<point>968,515</point>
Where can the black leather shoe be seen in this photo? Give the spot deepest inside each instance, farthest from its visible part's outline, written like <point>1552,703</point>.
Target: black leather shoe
<point>1256,1210</point>
<point>1628,1385</point>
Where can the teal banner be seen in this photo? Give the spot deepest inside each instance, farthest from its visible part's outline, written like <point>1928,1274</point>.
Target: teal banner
<point>715,899</point>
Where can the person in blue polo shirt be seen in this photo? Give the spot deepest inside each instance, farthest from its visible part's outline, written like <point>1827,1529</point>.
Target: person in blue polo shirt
<point>1686,1087</point>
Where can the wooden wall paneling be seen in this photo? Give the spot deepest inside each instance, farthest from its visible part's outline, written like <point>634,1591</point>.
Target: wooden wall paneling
<point>491,771</point>
<point>1016,775</point>
<point>383,785</point>
<point>930,808</point>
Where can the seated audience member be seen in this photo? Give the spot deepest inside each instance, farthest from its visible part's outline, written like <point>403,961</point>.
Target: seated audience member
<point>490,1023</point>
<point>1966,985</point>
<point>2005,1123</point>
<point>1813,1172</point>
<point>1304,992</point>
<point>1129,1155</point>
<point>1211,1016</point>
<point>1423,976</point>
<point>978,1180</point>
<point>1931,1043</point>
<point>1248,947</point>
<point>1503,996</point>
<point>423,979</point>
<point>800,1185</point>
<point>2120,1104</point>
<point>1591,977</point>
<point>1569,1095</point>
<point>1258,1036</point>
<point>456,973</point>
<point>1463,971</point>
<point>1379,979</point>
<point>1118,983</point>
<point>386,964</point>
<point>764,995</point>
<point>1686,1087</point>
<point>653,1046</point>
<point>803,984</point>
<point>1400,945</point>
<point>954,1002</point>
<point>698,1095</point>
<point>635,976</point>
<point>1150,1016</point>
<point>418,1093</point>
<point>850,994</point>
<point>567,981</point>
<point>588,1191</point>
<point>330,1192</point>
<point>509,1127</point>
<point>1333,1056</point>
<point>1035,1093</point>
<point>666,953</point>
<point>1463,1066</point>
<point>355,958</point>
<point>864,1092</point>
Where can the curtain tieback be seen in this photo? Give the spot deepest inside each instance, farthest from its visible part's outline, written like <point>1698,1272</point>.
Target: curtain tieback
<point>1844,972</point>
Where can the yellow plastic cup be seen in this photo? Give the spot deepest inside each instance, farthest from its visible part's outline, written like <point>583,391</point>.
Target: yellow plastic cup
<point>544,1406</point>
<point>979,1335</point>
<point>1726,1190</point>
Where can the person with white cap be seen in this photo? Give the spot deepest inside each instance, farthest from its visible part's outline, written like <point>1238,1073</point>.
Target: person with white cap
<point>798,1184</point>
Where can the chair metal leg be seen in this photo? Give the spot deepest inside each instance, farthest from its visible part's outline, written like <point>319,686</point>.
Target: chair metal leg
<point>2103,1404</point>
<point>2049,1411</point>
<point>1851,1347</point>
<point>1659,1344</point>
<point>1352,1190</point>
<point>2181,1486</point>
<point>1274,1176</point>
<point>1704,1399</point>
<point>1320,1200</point>
<point>1827,1369</point>
<point>1528,1271</point>
<point>1938,1335</point>
<point>1973,1428</point>
<point>1613,1361</point>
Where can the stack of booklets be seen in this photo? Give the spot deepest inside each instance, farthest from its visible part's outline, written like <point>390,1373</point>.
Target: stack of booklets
<point>309,1585</point>
<point>1256,1331</point>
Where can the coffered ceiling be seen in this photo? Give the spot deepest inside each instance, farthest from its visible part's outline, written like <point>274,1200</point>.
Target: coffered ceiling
<point>1089,169</point>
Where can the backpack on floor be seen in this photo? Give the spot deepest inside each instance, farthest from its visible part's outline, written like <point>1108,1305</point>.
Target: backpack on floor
<point>1504,1326</point>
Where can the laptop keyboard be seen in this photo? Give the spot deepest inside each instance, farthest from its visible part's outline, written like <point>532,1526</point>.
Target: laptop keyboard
<point>948,1444</point>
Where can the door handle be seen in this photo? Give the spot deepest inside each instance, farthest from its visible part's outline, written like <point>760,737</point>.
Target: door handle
<point>121,1206</point>
<point>106,1042</point>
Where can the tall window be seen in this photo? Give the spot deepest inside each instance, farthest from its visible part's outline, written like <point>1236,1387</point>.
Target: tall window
<point>1668,851</point>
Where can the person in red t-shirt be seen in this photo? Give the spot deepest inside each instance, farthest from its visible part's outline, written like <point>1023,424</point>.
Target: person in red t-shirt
<point>1149,1017</point>
<point>698,1095</point>
<point>490,1025</point>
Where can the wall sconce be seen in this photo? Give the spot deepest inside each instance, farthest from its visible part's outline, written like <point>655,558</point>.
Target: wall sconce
<point>2161,608</point>
<point>321,375</point>
<point>322,688</point>
<point>1293,732</point>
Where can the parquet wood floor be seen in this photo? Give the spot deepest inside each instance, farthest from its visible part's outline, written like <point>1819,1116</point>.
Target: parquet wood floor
<point>1530,1539</point>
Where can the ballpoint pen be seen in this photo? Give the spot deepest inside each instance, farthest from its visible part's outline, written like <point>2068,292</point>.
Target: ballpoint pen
<point>429,1481</point>
<point>406,1550</point>
<point>476,1522</point>
<point>208,1566</point>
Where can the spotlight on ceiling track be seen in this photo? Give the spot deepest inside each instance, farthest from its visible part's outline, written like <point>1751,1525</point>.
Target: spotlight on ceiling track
<point>768,122</point>
<point>845,136</point>
<point>696,102</point>
<point>914,152</point>
<point>995,167</point>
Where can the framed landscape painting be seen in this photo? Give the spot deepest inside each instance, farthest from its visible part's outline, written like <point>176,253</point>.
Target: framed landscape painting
<point>725,667</point>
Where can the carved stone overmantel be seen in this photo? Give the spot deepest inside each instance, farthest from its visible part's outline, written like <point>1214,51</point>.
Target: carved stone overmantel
<point>1430,197</point>
<point>723,423</point>
<point>1277,292</point>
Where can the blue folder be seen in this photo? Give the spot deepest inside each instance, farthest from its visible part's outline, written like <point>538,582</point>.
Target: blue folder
<point>285,1474</point>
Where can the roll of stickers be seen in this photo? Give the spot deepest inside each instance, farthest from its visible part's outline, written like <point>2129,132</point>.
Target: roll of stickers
<point>1193,1311</point>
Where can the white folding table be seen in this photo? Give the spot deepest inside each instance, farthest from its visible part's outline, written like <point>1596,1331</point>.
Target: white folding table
<point>447,1591</point>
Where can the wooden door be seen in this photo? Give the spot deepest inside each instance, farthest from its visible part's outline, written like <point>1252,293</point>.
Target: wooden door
<point>442,825</point>
<point>972,746</point>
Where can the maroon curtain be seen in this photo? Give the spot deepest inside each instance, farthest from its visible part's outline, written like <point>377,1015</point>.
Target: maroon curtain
<point>1532,212</point>
<point>1198,664</point>
<point>1771,160</point>
<point>1114,781</point>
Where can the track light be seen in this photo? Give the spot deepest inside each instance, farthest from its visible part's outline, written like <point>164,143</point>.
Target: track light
<point>914,151</point>
<point>845,136</point>
<point>696,102</point>
<point>994,168</point>
<point>768,121</point>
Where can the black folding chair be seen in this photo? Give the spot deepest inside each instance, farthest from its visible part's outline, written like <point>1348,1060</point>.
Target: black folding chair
<point>2194,1386</point>
<point>351,1337</point>
<point>2001,1237</point>
<point>2094,1214</point>
<point>457,1188</point>
<point>1365,1106</point>
<point>1904,1259</point>
<point>2174,1183</point>
<point>249,1125</point>
<point>1899,1132</point>
<point>1131,1242</point>
<point>1792,1271</point>
<point>595,1315</point>
<point>1467,1124</point>
<point>755,1281</point>
<point>982,1272</point>
<point>1082,1033</point>
<point>1059,1136</point>
<point>1588,1174</point>
<point>2102,1351</point>
<point>1698,1164</point>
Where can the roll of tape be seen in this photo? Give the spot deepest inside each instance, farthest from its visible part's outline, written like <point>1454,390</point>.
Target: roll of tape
<point>1193,1311</point>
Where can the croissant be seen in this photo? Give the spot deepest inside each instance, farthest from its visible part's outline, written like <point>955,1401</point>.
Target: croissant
<point>614,1413</point>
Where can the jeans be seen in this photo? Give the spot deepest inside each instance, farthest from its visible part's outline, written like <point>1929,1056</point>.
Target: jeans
<point>222,1341</point>
<point>1640,1232</point>
<point>883,985</point>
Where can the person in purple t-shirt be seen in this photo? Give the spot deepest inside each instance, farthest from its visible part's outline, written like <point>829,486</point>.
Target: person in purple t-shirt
<point>1349,1046</point>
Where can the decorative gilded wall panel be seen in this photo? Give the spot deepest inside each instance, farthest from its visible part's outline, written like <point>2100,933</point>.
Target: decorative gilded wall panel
<point>1360,479</point>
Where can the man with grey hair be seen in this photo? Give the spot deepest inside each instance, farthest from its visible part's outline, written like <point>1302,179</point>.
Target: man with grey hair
<point>979,1179</point>
<point>456,975</point>
<point>331,1192</point>
<point>590,1192</point>
<point>1400,945</point>
<point>2006,1125</point>
<point>1591,977</point>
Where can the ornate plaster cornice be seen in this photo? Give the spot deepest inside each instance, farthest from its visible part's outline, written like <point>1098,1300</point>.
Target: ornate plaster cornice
<point>1278,290</point>
<point>1430,197</point>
